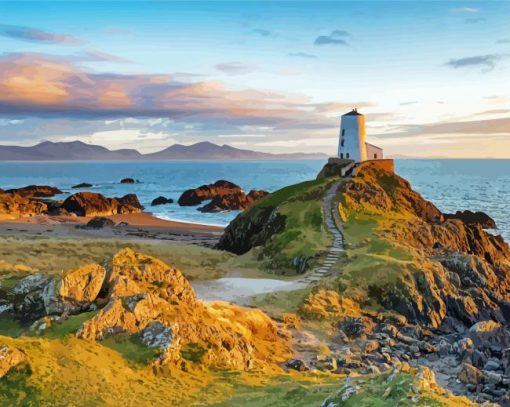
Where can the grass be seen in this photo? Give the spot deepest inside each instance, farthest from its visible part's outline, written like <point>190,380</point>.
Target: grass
<point>68,327</point>
<point>131,348</point>
<point>10,327</point>
<point>304,235</point>
<point>45,255</point>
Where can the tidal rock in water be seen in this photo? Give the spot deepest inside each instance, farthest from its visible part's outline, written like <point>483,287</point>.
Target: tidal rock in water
<point>129,181</point>
<point>161,200</point>
<point>82,185</point>
<point>94,204</point>
<point>192,197</point>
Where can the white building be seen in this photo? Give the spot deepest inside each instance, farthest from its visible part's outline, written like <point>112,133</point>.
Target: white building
<point>352,142</point>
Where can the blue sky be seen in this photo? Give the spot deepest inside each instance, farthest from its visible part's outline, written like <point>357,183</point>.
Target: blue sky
<point>432,76</point>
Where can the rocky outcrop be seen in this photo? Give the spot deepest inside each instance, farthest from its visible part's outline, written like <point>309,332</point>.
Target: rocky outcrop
<point>154,301</point>
<point>36,191</point>
<point>94,204</point>
<point>10,357</point>
<point>473,218</point>
<point>335,167</point>
<point>36,295</point>
<point>233,202</point>
<point>458,271</point>
<point>15,206</point>
<point>161,200</point>
<point>224,196</point>
<point>251,229</point>
<point>82,185</point>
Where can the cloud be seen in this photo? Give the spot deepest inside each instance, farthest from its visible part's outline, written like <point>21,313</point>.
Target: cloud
<point>411,102</point>
<point>488,61</point>
<point>235,68</point>
<point>40,86</point>
<point>503,41</point>
<point>468,10</point>
<point>475,20</point>
<point>301,55</point>
<point>481,127</point>
<point>35,35</point>
<point>337,37</point>
<point>263,33</point>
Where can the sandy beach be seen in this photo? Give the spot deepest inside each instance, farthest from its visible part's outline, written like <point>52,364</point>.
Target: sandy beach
<point>129,226</point>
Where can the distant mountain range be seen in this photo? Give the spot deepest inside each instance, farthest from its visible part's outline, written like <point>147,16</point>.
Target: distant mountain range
<point>77,150</point>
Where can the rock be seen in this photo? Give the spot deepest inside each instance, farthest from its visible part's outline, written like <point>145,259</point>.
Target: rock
<point>236,201</point>
<point>82,185</point>
<point>129,181</point>
<point>297,364</point>
<point>94,204</point>
<point>161,200</point>
<point>15,205</point>
<point>371,346</point>
<point>251,230</point>
<point>326,363</point>
<point>491,365</point>
<point>145,297</point>
<point>470,374</point>
<point>83,284</point>
<point>352,327</point>
<point>473,218</point>
<point>462,345</point>
<point>192,197</point>
<point>489,333</point>
<point>156,335</point>
<point>492,378</point>
<point>99,222</point>
<point>10,357</point>
<point>224,196</point>
<point>35,191</point>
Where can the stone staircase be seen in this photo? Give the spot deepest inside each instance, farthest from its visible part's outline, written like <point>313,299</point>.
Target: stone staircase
<point>333,222</point>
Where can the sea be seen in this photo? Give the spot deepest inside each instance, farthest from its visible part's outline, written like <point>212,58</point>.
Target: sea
<point>478,185</point>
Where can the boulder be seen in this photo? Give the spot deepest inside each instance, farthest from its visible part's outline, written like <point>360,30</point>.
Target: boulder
<point>83,284</point>
<point>99,222</point>
<point>233,202</point>
<point>156,335</point>
<point>297,364</point>
<point>161,200</point>
<point>129,181</point>
<point>94,204</point>
<point>15,205</point>
<point>470,374</point>
<point>473,218</point>
<point>35,191</point>
<point>10,357</point>
<point>82,185</point>
<point>193,197</point>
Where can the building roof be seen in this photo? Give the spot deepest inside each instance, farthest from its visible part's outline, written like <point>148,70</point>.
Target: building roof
<point>353,112</point>
<point>373,145</point>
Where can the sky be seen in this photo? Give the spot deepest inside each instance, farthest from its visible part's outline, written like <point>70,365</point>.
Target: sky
<point>432,77</point>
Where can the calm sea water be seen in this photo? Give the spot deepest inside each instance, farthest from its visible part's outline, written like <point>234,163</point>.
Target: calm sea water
<point>451,184</point>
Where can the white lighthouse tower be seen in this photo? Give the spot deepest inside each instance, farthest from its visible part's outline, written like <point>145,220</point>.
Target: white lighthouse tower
<point>352,144</point>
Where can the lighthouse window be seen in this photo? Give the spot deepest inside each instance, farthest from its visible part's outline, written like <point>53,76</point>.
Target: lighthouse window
<point>375,156</point>
<point>343,132</point>
<point>347,155</point>
<point>342,143</point>
<point>341,155</point>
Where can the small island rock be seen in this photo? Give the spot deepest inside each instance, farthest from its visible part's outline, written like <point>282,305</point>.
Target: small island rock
<point>161,200</point>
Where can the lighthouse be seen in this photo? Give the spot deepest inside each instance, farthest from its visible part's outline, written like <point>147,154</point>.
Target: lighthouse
<point>352,143</point>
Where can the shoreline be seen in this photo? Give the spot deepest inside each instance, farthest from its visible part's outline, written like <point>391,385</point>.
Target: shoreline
<point>132,219</point>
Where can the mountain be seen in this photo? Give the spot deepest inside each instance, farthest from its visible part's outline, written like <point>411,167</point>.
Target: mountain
<point>77,150</point>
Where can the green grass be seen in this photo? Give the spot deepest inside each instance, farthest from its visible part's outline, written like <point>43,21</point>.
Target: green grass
<point>131,348</point>
<point>15,388</point>
<point>10,327</point>
<point>304,235</point>
<point>282,391</point>
<point>383,391</point>
<point>68,327</point>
